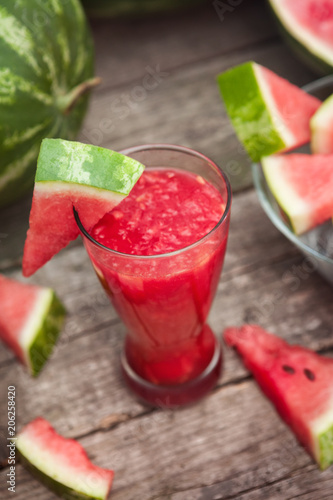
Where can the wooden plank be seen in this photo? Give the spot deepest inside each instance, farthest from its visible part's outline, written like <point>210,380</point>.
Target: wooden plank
<point>125,47</point>
<point>74,374</point>
<point>200,452</point>
<point>244,265</point>
<point>82,294</point>
<point>13,226</point>
<point>231,445</point>
<point>171,112</point>
<point>305,484</point>
<point>209,450</point>
<point>252,288</point>
<point>85,370</point>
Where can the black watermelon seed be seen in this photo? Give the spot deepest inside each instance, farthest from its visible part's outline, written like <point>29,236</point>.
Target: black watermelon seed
<point>309,374</point>
<point>288,369</point>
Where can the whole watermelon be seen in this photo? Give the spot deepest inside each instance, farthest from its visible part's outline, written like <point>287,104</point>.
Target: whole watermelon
<point>46,67</point>
<point>114,8</point>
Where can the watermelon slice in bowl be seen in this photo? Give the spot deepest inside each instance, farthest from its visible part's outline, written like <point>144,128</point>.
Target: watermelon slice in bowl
<point>61,464</point>
<point>321,125</point>
<point>316,244</point>
<point>302,184</point>
<point>297,380</point>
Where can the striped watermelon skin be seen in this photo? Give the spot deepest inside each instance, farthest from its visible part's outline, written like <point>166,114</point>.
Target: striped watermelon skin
<point>46,51</point>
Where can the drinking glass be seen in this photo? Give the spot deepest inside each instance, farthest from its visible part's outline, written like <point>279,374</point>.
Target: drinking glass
<point>171,357</point>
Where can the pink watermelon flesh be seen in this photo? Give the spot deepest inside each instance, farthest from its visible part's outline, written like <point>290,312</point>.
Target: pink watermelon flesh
<point>52,223</point>
<point>298,381</point>
<point>17,300</point>
<point>31,319</point>
<point>62,461</point>
<point>311,176</point>
<point>316,17</point>
<point>303,187</point>
<point>292,107</point>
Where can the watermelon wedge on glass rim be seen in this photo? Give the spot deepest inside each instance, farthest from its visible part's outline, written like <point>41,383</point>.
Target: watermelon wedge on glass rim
<point>307,26</point>
<point>70,174</point>
<point>303,187</point>
<point>61,464</point>
<point>298,381</point>
<point>30,321</point>
<point>321,125</point>
<point>269,114</point>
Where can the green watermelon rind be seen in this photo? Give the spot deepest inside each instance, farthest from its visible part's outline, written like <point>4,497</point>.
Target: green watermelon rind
<point>255,115</point>
<point>309,58</point>
<point>284,195</point>
<point>48,330</point>
<point>59,488</point>
<point>325,444</point>
<point>78,164</point>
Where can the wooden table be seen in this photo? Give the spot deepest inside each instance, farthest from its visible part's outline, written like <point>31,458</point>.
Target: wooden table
<point>232,445</point>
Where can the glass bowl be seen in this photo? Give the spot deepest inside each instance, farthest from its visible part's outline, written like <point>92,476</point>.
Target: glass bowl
<point>317,244</point>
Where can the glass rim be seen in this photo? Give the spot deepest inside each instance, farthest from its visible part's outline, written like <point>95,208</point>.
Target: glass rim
<point>318,84</point>
<point>167,147</point>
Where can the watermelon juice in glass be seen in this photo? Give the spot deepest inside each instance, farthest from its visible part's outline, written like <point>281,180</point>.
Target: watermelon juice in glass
<point>159,255</point>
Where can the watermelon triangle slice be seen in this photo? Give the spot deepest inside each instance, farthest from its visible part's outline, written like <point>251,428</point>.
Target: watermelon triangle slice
<point>269,113</point>
<point>90,178</point>
<point>303,187</point>
<point>61,464</point>
<point>321,125</point>
<point>30,321</point>
<point>298,381</point>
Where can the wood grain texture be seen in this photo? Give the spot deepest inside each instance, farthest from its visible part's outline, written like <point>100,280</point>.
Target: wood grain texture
<point>232,445</point>
<point>176,40</point>
<point>184,52</point>
<point>82,394</point>
<point>171,111</point>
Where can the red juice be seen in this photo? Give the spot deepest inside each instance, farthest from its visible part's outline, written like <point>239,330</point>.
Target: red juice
<point>164,271</point>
